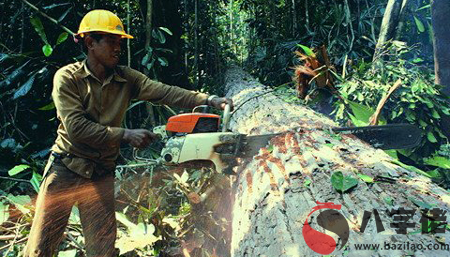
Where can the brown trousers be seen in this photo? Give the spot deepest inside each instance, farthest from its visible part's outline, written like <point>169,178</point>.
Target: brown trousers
<point>60,190</point>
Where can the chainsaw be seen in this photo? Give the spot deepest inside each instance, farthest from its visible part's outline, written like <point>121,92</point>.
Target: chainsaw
<point>201,136</point>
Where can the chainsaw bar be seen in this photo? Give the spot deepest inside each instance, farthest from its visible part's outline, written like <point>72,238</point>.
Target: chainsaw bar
<point>251,144</point>
<point>393,136</point>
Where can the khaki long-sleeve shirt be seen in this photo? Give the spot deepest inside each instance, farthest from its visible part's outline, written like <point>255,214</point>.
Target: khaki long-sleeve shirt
<point>91,112</point>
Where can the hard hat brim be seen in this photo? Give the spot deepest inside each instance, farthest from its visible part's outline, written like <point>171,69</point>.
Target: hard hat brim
<point>123,34</point>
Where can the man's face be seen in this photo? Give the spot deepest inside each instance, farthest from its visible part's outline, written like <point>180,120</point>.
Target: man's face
<point>107,50</point>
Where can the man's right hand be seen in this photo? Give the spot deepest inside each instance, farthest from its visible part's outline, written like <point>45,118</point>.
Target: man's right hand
<point>139,138</point>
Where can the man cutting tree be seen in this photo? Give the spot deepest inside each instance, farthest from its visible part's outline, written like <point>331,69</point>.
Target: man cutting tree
<point>91,99</point>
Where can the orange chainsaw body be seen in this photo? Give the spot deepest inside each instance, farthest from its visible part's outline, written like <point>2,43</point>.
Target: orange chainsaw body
<point>193,123</point>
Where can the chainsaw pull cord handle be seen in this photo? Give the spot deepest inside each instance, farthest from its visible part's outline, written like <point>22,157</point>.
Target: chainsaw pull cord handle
<point>226,117</point>
<point>203,108</point>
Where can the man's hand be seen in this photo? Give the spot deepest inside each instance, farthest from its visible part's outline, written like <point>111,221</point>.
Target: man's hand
<point>220,102</point>
<point>139,138</point>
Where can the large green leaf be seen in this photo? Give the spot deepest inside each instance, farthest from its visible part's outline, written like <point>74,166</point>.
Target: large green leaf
<point>392,153</point>
<point>16,74</point>
<point>62,37</point>
<point>419,24</point>
<point>20,201</point>
<point>342,183</point>
<point>365,178</point>
<point>138,236</point>
<point>64,14</point>
<point>409,167</point>
<point>307,50</point>
<point>166,30</point>
<point>438,161</point>
<point>36,181</point>
<point>37,24</point>
<point>47,50</point>
<point>8,143</point>
<point>424,7</point>
<point>68,253</point>
<point>163,61</point>
<point>431,137</point>
<point>122,218</point>
<point>3,56</point>
<point>55,5</point>
<point>4,213</point>
<point>18,169</point>
<point>25,88</point>
<point>48,107</point>
<point>145,59</point>
<point>74,216</point>
<point>157,34</point>
<point>362,114</point>
<point>421,204</point>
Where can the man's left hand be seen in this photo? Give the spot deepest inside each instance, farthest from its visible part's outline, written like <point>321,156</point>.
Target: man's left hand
<point>220,102</point>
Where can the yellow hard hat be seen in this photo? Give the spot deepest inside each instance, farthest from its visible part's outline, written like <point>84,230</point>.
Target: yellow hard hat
<point>102,21</point>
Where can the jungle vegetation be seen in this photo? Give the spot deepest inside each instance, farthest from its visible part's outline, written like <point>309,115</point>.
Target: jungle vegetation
<point>362,47</point>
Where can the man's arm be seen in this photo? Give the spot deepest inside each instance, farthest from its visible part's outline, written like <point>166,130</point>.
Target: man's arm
<point>80,129</point>
<point>157,92</point>
<point>149,90</point>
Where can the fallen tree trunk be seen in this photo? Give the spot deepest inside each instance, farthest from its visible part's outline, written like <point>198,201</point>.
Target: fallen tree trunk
<point>277,189</point>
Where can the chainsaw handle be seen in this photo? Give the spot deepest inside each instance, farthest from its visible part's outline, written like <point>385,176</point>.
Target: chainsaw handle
<point>226,117</point>
<point>204,108</point>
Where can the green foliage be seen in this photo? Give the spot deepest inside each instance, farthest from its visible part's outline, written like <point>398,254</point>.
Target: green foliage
<point>419,24</point>
<point>365,178</point>
<point>137,236</point>
<point>17,169</point>
<point>4,213</point>
<point>418,101</point>
<point>342,183</point>
<point>275,32</point>
<point>307,50</point>
<point>47,49</point>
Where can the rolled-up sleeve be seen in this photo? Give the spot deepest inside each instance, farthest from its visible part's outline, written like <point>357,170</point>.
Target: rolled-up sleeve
<point>160,93</point>
<point>74,118</point>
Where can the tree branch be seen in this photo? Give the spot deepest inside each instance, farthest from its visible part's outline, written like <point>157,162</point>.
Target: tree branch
<point>48,17</point>
<point>374,119</point>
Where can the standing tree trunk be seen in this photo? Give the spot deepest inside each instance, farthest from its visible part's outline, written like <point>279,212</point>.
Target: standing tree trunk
<point>148,40</point>
<point>196,53</point>
<point>401,23</point>
<point>129,32</point>
<point>277,189</point>
<point>441,25</point>
<point>294,19</point>
<point>148,29</point>
<point>388,25</point>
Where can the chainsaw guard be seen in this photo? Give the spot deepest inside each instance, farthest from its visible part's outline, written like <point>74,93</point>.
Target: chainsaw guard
<point>218,147</point>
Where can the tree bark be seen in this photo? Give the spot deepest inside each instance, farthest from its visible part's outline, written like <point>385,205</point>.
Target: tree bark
<point>294,19</point>
<point>148,30</point>
<point>441,25</point>
<point>196,50</point>
<point>388,25</point>
<point>129,32</point>
<point>401,24</point>
<point>148,41</point>
<point>277,189</point>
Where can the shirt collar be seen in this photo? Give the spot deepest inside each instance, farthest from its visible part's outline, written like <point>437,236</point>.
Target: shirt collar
<point>84,72</point>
